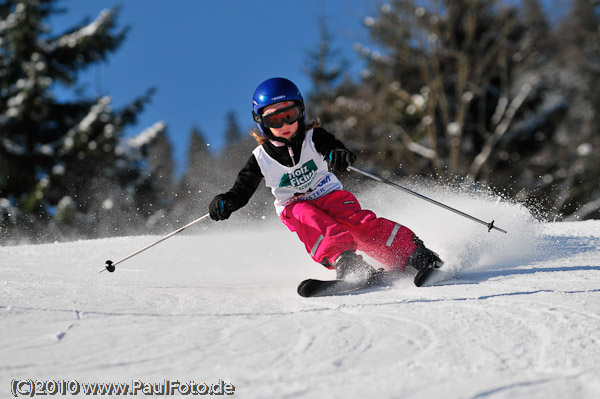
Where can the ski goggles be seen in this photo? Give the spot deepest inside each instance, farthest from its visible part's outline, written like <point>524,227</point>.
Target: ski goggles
<point>287,115</point>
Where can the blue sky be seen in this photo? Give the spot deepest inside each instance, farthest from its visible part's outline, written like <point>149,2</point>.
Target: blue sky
<point>205,58</point>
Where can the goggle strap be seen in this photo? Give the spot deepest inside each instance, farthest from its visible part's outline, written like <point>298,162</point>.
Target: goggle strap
<point>257,117</point>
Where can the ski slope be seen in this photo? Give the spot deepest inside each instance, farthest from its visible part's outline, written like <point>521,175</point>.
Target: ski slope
<point>518,315</point>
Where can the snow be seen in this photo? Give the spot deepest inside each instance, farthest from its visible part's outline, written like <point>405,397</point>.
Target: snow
<point>518,315</point>
<point>72,39</point>
<point>12,147</point>
<point>147,135</point>
<point>102,105</point>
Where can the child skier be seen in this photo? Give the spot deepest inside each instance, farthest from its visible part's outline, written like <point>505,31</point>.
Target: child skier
<point>293,158</point>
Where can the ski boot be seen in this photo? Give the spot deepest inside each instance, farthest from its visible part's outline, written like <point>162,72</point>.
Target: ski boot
<point>350,266</point>
<point>425,261</point>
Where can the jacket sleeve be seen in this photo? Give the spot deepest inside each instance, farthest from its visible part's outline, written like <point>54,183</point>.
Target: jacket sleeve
<point>245,185</point>
<point>325,141</point>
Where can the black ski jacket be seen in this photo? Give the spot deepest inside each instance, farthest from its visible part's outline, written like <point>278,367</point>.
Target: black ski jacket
<point>249,177</point>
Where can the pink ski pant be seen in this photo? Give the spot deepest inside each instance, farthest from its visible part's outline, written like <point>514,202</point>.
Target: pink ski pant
<point>336,223</point>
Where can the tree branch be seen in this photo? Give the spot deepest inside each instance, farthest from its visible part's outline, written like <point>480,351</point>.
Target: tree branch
<point>501,128</point>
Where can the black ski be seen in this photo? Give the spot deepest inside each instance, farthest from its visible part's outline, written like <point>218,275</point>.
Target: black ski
<point>314,287</point>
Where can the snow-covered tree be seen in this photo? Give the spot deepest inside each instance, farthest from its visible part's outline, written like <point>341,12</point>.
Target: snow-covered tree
<point>444,84</point>
<point>232,132</point>
<point>59,155</point>
<point>326,69</point>
<point>199,183</point>
<point>574,179</point>
<point>490,90</point>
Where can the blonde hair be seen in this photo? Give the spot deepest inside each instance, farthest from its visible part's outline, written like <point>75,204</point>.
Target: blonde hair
<point>260,139</point>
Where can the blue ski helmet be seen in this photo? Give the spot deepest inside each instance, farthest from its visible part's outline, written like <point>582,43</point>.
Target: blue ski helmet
<point>271,91</point>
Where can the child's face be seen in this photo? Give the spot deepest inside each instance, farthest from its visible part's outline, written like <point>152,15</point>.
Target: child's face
<point>286,131</point>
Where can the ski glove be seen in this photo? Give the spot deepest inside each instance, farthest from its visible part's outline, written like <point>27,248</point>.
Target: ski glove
<point>220,207</point>
<point>339,159</point>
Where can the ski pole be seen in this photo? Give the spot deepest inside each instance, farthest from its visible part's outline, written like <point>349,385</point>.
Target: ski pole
<point>110,265</point>
<point>489,225</point>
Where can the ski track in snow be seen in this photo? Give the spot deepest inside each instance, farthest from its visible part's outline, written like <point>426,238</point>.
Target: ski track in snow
<point>517,315</point>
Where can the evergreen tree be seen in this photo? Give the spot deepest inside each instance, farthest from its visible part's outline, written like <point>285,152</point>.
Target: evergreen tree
<point>326,70</point>
<point>160,161</point>
<point>198,154</point>
<point>452,88</point>
<point>58,155</point>
<point>232,130</point>
<point>194,183</point>
<point>236,149</point>
<point>198,184</point>
<point>154,188</point>
<point>489,90</point>
<point>448,80</point>
<point>574,180</point>
<point>230,161</point>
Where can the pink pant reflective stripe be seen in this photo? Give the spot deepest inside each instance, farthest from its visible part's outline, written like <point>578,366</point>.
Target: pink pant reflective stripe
<point>316,246</point>
<point>393,235</point>
<point>336,223</point>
